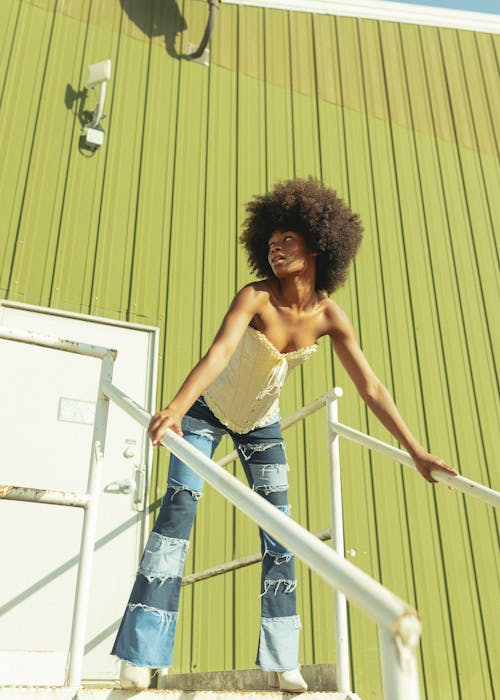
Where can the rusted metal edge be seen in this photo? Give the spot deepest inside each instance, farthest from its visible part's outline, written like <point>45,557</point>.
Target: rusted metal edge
<point>56,343</point>
<point>56,498</point>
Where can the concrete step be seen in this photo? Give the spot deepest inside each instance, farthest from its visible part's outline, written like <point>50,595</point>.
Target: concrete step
<point>215,685</point>
<point>117,694</point>
<point>319,678</point>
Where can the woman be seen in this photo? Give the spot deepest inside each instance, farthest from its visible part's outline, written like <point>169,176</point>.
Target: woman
<point>300,239</point>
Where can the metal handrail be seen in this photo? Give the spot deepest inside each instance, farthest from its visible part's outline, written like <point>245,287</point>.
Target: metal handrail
<point>335,429</point>
<point>235,564</point>
<point>299,415</point>
<point>51,342</point>
<point>399,625</point>
<point>50,497</point>
<point>458,482</point>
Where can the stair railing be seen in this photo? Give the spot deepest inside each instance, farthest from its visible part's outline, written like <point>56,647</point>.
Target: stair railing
<point>399,625</point>
<point>334,430</point>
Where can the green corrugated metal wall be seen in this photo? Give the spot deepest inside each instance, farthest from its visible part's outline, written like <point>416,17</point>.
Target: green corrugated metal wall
<point>401,120</point>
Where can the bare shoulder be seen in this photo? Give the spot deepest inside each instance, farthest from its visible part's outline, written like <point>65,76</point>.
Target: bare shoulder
<point>253,295</point>
<point>333,311</point>
<point>337,321</point>
<point>255,290</point>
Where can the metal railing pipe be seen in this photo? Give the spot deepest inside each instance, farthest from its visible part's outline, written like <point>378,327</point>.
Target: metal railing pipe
<point>55,498</point>
<point>236,564</point>
<point>398,665</point>
<point>369,595</point>
<point>47,341</point>
<point>460,483</point>
<point>299,415</point>
<point>84,580</point>
<point>339,599</point>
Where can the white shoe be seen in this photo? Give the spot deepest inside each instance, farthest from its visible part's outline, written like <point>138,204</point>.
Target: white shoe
<point>162,678</point>
<point>287,680</point>
<point>134,676</point>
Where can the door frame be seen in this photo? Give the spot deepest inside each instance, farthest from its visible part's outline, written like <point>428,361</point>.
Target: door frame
<point>152,375</point>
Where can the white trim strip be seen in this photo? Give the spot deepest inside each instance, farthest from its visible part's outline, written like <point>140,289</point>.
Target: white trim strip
<point>385,10</point>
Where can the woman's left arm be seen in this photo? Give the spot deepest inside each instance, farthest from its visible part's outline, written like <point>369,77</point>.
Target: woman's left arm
<point>377,397</point>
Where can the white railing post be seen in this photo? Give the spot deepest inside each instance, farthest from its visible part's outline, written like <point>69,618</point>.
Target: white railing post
<point>398,660</point>
<point>339,599</point>
<point>82,596</point>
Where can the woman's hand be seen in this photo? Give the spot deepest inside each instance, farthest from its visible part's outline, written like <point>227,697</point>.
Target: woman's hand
<point>426,463</point>
<point>161,422</point>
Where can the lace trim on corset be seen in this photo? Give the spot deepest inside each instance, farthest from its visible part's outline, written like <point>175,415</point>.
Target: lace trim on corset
<point>292,355</point>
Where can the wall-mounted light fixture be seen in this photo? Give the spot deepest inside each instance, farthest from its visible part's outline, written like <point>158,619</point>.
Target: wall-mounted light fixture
<point>97,74</point>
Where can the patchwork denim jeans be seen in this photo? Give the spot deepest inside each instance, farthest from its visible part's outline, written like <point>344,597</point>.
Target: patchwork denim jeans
<point>147,631</point>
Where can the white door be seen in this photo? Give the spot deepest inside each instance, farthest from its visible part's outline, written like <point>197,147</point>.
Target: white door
<point>47,400</point>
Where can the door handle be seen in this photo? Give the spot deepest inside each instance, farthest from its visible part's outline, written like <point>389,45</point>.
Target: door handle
<point>123,486</point>
<point>139,485</point>
<point>133,487</point>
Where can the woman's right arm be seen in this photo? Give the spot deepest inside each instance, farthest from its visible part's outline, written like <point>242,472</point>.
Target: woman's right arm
<point>243,308</point>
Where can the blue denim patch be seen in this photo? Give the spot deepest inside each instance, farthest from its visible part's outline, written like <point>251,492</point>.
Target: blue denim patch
<point>269,477</point>
<point>159,593</point>
<point>271,546</point>
<point>205,437</point>
<point>257,452</point>
<point>176,514</point>
<point>163,557</point>
<point>198,426</point>
<point>146,636</point>
<point>279,643</point>
<point>273,586</point>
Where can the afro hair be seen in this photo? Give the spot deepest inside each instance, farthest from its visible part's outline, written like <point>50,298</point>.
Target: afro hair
<point>310,208</point>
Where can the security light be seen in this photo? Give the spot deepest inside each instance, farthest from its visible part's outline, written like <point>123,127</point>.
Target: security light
<point>97,74</point>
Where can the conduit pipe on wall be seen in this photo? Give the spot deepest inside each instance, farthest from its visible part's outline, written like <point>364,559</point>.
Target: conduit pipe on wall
<point>213,5</point>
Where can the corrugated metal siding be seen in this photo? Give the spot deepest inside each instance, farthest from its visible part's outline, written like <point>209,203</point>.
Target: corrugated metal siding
<point>401,120</point>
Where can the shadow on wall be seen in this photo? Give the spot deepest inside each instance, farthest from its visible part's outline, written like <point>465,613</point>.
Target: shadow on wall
<point>157,18</point>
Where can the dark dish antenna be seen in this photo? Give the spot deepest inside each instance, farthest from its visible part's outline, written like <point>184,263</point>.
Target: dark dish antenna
<point>213,6</point>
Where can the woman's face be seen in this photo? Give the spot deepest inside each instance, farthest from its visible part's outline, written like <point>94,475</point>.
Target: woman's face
<point>289,254</point>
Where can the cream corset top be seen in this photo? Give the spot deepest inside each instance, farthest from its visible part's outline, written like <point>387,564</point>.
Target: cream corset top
<point>245,395</point>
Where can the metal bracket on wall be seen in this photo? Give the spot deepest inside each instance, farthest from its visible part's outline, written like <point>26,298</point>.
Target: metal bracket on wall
<point>204,59</point>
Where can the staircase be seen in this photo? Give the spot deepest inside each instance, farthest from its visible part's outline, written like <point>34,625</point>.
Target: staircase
<point>216,685</point>
<point>117,694</point>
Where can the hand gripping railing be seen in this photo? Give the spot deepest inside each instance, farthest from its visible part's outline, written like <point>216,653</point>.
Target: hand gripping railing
<point>458,482</point>
<point>399,625</point>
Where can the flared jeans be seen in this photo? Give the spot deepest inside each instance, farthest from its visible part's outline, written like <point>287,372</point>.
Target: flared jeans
<point>147,631</point>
